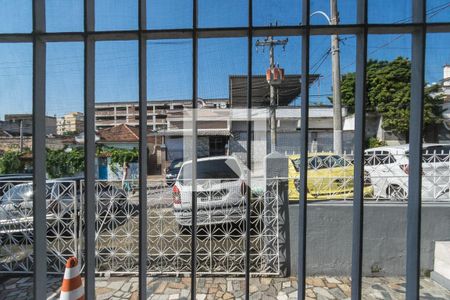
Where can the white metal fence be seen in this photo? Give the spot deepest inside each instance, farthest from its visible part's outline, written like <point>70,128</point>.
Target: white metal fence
<point>16,225</point>
<point>220,231</point>
<point>221,215</point>
<point>330,176</point>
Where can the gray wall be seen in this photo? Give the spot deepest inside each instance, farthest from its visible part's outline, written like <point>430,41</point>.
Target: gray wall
<point>329,237</point>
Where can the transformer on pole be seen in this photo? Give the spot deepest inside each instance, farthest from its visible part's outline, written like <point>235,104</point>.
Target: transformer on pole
<point>274,76</point>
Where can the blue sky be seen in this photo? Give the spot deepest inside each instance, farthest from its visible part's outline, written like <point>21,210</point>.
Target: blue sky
<point>170,61</point>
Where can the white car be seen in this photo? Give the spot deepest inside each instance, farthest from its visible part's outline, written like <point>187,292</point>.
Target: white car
<point>388,169</point>
<point>220,191</point>
<point>63,198</point>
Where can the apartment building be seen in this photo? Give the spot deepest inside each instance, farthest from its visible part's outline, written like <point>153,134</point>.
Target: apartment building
<point>26,122</point>
<point>70,123</point>
<point>109,114</point>
<point>446,83</point>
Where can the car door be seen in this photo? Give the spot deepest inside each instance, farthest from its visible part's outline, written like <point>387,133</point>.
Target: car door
<point>317,179</point>
<point>379,165</point>
<point>331,176</point>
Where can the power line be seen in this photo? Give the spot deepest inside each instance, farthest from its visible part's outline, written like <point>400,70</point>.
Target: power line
<point>319,63</point>
<point>430,13</point>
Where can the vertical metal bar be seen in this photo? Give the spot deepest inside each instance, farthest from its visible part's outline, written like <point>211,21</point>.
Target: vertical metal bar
<point>89,148</point>
<point>415,151</point>
<point>360,124</point>
<point>249,147</point>
<point>303,152</point>
<point>194,151</point>
<point>39,156</point>
<point>142,151</point>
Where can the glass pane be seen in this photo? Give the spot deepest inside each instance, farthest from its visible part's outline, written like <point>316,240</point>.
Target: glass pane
<point>232,13</point>
<point>64,16</point>
<point>116,15</point>
<point>330,181</point>
<point>220,169</point>
<point>386,165</point>
<point>16,161</point>
<point>389,11</point>
<point>266,12</point>
<point>15,16</point>
<point>64,156</point>
<point>438,11</point>
<point>435,251</point>
<point>116,71</point>
<point>163,14</point>
<point>276,137</point>
<point>117,156</point>
<point>169,98</point>
<point>346,12</point>
<point>171,60</point>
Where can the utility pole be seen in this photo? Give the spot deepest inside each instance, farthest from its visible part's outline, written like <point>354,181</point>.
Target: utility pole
<point>271,43</point>
<point>21,136</point>
<point>336,79</point>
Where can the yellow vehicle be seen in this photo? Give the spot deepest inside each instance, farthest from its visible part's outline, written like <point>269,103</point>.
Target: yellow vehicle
<point>330,177</point>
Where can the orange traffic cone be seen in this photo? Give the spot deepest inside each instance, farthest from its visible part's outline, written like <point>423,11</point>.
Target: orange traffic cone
<point>72,287</point>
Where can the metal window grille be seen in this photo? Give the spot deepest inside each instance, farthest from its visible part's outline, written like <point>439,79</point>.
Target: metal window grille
<point>39,37</point>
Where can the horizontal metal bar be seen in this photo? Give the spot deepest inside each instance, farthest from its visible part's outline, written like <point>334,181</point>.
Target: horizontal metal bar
<point>278,31</point>
<point>391,29</point>
<point>168,34</point>
<point>222,32</point>
<point>226,32</point>
<point>437,27</point>
<point>16,38</point>
<point>63,37</point>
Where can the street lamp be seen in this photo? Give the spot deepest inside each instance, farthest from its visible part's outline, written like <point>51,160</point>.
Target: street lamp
<point>319,12</point>
<point>336,78</point>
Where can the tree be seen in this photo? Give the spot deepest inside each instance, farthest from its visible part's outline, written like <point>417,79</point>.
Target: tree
<point>10,162</point>
<point>389,94</point>
<point>64,162</point>
<point>119,157</point>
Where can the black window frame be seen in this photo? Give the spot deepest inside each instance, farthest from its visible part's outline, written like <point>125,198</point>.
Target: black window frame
<point>418,29</point>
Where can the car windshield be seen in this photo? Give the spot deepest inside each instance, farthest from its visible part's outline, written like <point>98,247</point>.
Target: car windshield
<point>18,193</point>
<point>323,162</point>
<point>176,164</point>
<point>212,169</point>
<point>24,192</point>
<point>438,152</point>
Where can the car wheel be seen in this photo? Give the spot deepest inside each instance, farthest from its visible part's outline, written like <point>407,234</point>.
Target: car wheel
<point>396,193</point>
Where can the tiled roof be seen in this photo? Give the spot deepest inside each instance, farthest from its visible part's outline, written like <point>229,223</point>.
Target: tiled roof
<point>123,133</point>
<point>120,133</point>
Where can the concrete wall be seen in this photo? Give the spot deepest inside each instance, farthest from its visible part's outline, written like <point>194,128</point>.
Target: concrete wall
<point>329,237</point>
<point>13,143</point>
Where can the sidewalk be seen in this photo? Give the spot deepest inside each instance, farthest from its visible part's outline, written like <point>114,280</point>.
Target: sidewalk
<point>208,288</point>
